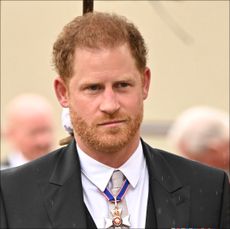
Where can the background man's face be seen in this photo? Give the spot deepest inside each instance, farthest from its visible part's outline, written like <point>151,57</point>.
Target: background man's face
<point>33,135</point>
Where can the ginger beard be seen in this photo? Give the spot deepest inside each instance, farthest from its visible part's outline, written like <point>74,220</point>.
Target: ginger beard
<point>104,140</point>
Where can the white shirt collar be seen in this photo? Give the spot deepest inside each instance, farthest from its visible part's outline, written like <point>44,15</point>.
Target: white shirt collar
<point>99,174</point>
<point>16,159</point>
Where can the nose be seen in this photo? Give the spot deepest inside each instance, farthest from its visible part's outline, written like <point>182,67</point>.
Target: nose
<point>109,103</point>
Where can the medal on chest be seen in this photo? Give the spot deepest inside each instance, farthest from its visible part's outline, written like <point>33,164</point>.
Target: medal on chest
<point>117,220</point>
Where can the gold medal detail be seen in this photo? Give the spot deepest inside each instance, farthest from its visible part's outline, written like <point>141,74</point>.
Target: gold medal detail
<point>117,220</point>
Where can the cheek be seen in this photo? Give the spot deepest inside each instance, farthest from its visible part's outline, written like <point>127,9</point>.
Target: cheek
<point>26,143</point>
<point>20,137</point>
<point>84,108</point>
<point>132,103</point>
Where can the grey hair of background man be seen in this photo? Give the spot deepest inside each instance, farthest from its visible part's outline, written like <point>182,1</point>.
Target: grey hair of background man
<point>198,128</point>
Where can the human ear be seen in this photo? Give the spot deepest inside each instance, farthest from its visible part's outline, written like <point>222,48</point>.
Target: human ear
<point>146,82</point>
<point>61,91</point>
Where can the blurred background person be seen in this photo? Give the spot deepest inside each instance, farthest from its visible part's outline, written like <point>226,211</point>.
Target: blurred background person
<point>202,134</point>
<point>28,129</point>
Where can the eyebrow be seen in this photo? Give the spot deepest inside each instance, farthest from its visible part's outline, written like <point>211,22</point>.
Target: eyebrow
<point>95,82</point>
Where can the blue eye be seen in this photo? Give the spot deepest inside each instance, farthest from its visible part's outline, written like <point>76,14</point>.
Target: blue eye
<point>122,85</point>
<point>94,87</point>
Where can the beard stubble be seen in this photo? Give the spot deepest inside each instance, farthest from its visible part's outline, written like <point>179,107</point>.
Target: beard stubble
<point>107,140</point>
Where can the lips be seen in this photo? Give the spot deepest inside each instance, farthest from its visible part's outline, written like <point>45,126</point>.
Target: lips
<point>111,122</point>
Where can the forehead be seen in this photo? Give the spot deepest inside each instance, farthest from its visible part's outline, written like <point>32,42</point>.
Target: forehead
<point>104,60</point>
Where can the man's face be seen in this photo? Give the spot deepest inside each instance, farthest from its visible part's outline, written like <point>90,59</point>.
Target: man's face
<point>33,135</point>
<point>105,96</point>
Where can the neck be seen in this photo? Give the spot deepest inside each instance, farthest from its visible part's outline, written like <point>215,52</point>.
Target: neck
<point>112,159</point>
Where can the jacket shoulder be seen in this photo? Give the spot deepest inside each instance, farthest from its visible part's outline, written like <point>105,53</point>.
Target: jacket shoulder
<point>28,171</point>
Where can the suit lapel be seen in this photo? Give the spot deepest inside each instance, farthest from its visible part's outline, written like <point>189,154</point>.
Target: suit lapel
<point>63,197</point>
<point>63,194</point>
<point>170,197</point>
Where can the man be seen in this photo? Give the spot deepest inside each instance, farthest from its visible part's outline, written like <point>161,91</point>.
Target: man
<point>202,134</point>
<point>101,61</point>
<point>28,129</point>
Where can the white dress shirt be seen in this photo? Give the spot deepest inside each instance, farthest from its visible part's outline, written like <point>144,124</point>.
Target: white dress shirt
<point>15,159</point>
<point>96,176</point>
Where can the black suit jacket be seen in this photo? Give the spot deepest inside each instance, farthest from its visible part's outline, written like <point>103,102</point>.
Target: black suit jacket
<point>47,193</point>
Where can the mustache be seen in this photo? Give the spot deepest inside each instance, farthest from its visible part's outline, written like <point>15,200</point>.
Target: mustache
<point>112,118</point>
